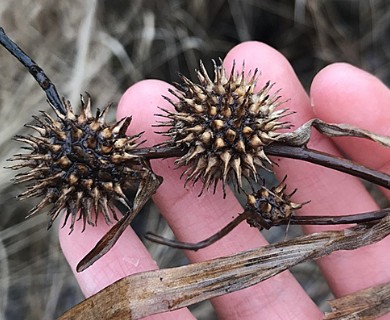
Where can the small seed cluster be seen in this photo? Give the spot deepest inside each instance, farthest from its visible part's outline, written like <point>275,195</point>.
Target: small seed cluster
<point>80,164</point>
<point>223,125</point>
<point>271,205</point>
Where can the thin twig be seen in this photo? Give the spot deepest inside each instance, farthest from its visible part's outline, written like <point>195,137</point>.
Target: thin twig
<point>159,152</point>
<point>202,244</point>
<point>329,161</point>
<point>292,220</point>
<point>38,74</point>
<point>332,220</point>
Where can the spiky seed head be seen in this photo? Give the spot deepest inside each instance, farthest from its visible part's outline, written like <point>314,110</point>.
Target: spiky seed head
<point>272,205</point>
<point>223,124</point>
<point>78,163</point>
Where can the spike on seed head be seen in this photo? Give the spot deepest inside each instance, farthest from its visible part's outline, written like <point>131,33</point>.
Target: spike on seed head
<point>224,125</point>
<point>79,164</point>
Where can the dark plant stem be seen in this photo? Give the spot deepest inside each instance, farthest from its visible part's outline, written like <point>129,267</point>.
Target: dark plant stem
<point>366,217</point>
<point>159,152</point>
<point>38,74</point>
<point>332,220</point>
<point>202,244</point>
<point>330,161</point>
<point>299,153</point>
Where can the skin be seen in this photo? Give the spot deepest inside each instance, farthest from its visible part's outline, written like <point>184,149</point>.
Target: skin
<point>340,93</point>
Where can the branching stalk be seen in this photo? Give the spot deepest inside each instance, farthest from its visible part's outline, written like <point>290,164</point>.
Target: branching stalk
<point>292,220</point>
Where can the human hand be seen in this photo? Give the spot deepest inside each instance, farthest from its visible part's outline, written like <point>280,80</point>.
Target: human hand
<point>341,94</point>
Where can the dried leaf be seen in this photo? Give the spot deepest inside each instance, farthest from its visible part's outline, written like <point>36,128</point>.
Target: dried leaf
<point>366,304</point>
<point>147,187</point>
<point>152,292</point>
<point>301,136</point>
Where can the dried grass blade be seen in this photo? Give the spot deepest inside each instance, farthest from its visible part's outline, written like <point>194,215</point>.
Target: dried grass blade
<point>366,304</point>
<point>152,292</point>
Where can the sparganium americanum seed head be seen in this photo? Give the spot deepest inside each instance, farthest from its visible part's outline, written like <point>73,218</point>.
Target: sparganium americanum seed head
<point>223,125</point>
<point>79,163</point>
<point>271,205</point>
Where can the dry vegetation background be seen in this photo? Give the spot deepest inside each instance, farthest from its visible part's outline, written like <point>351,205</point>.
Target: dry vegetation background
<point>105,46</point>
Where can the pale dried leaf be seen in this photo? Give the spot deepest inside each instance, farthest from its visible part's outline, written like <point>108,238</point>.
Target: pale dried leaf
<point>147,293</point>
<point>366,304</point>
<point>301,136</point>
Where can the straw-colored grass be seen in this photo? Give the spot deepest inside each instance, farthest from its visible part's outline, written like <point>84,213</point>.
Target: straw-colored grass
<point>103,47</point>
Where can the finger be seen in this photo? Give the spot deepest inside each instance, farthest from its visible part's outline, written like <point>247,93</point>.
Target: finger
<point>194,218</point>
<point>330,192</point>
<point>343,93</point>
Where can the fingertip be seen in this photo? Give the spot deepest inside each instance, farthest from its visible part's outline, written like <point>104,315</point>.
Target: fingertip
<point>270,62</point>
<point>142,101</point>
<point>343,93</point>
<point>327,83</point>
